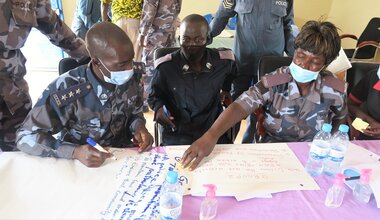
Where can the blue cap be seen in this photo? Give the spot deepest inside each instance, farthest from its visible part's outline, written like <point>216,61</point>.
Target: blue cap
<point>343,128</point>
<point>326,127</point>
<point>172,177</point>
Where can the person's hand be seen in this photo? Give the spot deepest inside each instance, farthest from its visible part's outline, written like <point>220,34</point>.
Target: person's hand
<point>90,156</point>
<point>143,138</point>
<point>141,40</point>
<point>162,118</point>
<point>373,130</point>
<point>225,98</point>
<point>197,151</point>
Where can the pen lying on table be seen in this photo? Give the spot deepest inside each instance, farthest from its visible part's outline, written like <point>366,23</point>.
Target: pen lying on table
<point>98,147</point>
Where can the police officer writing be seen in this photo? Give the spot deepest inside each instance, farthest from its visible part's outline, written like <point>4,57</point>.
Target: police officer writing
<point>297,99</point>
<point>16,21</point>
<point>187,85</point>
<point>101,100</point>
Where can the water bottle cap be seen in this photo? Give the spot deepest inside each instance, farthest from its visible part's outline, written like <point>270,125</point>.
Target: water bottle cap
<point>326,127</point>
<point>172,177</point>
<point>211,188</point>
<point>343,128</point>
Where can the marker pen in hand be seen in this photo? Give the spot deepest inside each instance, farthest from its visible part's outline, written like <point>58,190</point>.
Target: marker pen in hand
<point>98,147</point>
<point>167,113</point>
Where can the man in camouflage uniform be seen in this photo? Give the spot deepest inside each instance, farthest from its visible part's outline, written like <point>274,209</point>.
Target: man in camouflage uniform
<point>157,30</point>
<point>101,100</point>
<point>17,17</point>
<point>297,99</point>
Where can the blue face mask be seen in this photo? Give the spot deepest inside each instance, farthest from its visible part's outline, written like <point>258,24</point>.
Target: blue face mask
<point>302,75</point>
<point>117,77</point>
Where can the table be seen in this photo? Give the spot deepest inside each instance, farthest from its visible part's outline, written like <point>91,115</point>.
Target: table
<point>292,204</point>
<point>285,205</point>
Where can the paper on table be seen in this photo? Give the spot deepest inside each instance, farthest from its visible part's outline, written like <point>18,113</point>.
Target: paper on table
<point>341,63</point>
<point>244,170</point>
<point>360,158</point>
<point>359,124</point>
<point>49,188</point>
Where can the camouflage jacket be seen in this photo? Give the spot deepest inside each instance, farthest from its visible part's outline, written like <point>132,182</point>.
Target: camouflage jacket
<point>17,17</point>
<point>77,106</point>
<point>159,16</point>
<point>289,116</point>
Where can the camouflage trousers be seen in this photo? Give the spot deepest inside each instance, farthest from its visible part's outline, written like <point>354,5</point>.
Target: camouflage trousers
<point>153,42</point>
<point>15,104</point>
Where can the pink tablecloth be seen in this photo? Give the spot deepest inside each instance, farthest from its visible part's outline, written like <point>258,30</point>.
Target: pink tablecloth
<point>292,204</point>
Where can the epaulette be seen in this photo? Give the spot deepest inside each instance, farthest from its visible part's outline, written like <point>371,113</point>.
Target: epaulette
<point>166,58</point>
<point>69,95</point>
<point>335,83</point>
<point>276,79</point>
<point>139,67</point>
<point>226,54</point>
<point>228,4</point>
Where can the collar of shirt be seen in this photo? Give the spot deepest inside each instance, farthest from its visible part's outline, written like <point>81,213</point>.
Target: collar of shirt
<point>315,89</point>
<point>208,66</point>
<point>102,92</point>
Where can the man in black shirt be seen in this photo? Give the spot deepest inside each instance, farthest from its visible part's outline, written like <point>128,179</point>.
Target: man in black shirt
<point>187,85</point>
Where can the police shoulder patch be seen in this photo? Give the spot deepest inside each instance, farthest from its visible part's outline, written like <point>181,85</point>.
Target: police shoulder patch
<point>228,4</point>
<point>335,83</point>
<point>69,95</point>
<point>276,79</point>
<point>226,54</point>
<point>166,58</point>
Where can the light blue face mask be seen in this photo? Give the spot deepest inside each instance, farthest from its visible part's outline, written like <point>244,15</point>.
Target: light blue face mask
<point>302,75</point>
<point>117,77</point>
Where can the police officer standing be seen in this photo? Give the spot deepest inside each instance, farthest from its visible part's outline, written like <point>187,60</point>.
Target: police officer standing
<point>263,28</point>
<point>17,17</point>
<point>157,30</point>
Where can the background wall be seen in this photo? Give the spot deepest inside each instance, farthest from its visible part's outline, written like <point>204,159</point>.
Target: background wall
<point>351,16</point>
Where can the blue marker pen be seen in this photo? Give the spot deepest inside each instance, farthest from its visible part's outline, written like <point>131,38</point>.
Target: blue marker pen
<point>98,147</point>
<point>167,113</point>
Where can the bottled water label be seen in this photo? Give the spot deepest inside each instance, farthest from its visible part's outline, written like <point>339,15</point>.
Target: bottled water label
<point>336,155</point>
<point>318,152</point>
<point>170,206</point>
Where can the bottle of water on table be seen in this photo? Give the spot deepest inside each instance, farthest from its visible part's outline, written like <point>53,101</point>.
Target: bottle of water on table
<point>171,197</point>
<point>338,145</point>
<point>319,150</point>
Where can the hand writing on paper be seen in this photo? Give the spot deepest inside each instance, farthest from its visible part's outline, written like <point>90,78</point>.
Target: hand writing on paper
<point>143,138</point>
<point>197,151</point>
<point>90,156</point>
<point>373,130</point>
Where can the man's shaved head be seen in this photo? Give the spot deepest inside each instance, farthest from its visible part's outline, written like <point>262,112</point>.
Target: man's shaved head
<point>195,19</point>
<point>103,38</point>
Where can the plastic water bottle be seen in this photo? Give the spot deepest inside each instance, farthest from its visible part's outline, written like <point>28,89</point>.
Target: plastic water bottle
<point>338,145</point>
<point>319,150</point>
<point>171,197</point>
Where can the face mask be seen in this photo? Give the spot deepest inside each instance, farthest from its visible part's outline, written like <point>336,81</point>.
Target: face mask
<point>302,75</point>
<point>193,53</point>
<point>117,77</point>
